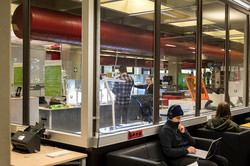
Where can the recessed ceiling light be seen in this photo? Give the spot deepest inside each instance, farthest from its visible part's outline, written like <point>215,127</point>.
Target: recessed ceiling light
<point>235,35</point>
<point>170,45</point>
<point>190,23</point>
<point>167,14</point>
<point>132,6</point>
<point>245,4</point>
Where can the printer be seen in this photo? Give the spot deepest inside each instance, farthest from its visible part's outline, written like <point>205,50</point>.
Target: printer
<point>28,141</point>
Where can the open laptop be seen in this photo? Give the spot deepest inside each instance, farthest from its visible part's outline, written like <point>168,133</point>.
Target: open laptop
<point>203,154</point>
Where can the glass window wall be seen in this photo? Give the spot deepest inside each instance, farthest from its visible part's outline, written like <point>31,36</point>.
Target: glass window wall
<point>213,53</point>
<point>126,54</point>
<point>236,57</point>
<point>55,64</point>
<point>178,42</point>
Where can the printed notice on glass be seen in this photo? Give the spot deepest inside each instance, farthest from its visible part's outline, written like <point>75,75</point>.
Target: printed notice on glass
<point>18,74</point>
<point>53,79</point>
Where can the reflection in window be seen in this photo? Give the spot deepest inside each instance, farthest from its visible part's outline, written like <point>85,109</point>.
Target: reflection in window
<point>55,82</point>
<point>178,25</point>
<point>125,97</point>
<point>213,57</point>
<point>236,57</point>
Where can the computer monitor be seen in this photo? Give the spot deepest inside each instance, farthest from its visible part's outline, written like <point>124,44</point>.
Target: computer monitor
<point>168,79</point>
<point>181,83</point>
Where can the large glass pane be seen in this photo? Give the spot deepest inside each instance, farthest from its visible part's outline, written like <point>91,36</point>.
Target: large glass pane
<point>16,75</point>
<point>237,31</point>
<point>126,60</point>
<point>213,53</point>
<point>178,73</point>
<point>55,64</point>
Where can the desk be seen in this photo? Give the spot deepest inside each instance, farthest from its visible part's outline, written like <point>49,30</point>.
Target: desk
<point>40,158</point>
<point>62,119</point>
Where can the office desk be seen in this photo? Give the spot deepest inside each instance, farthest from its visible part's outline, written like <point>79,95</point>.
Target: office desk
<point>62,119</point>
<point>40,158</point>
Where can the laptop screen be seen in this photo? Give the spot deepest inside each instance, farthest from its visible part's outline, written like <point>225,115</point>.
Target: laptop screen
<point>213,147</point>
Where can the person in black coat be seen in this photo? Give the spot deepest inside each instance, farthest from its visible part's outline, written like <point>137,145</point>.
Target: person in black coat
<point>176,142</point>
<point>148,86</point>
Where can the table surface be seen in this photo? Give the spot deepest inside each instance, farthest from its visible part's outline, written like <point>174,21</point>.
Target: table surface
<point>40,158</point>
<point>56,109</point>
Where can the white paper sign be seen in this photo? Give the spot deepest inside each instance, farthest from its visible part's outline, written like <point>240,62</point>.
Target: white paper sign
<point>194,164</point>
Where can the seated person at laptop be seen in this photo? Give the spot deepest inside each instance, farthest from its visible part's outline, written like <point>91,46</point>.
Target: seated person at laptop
<point>222,121</point>
<point>177,143</point>
<point>148,86</point>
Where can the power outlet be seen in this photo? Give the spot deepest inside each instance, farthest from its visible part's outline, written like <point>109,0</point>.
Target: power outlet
<point>134,134</point>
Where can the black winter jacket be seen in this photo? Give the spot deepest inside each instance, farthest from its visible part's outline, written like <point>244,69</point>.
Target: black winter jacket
<point>148,88</point>
<point>174,143</point>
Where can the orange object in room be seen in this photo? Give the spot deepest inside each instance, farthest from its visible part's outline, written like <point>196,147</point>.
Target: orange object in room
<point>191,83</point>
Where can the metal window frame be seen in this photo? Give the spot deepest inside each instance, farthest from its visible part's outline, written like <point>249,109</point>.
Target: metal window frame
<point>87,77</point>
<point>157,48</point>
<point>229,5</point>
<point>198,56</point>
<point>97,65</point>
<point>26,62</point>
<point>246,63</point>
<point>90,114</point>
<point>116,138</point>
<point>227,47</point>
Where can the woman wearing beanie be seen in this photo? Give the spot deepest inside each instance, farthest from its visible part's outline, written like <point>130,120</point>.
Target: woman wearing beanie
<point>176,142</point>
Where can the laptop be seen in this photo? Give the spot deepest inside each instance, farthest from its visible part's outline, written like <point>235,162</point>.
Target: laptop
<point>203,154</point>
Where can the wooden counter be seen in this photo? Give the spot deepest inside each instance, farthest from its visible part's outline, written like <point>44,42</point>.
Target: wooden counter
<point>40,158</point>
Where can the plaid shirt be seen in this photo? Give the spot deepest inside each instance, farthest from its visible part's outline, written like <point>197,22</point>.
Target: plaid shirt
<point>122,90</point>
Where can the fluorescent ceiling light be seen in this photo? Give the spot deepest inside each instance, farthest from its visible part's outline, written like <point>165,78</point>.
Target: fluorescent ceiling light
<point>105,1</point>
<point>106,55</point>
<point>216,33</point>
<point>235,32</point>
<point>130,57</point>
<point>242,3</point>
<point>132,6</point>
<point>170,45</point>
<point>222,34</point>
<point>235,36</point>
<point>191,48</point>
<point>148,58</point>
<point>149,12</point>
<point>141,13</point>
<point>167,14</point>
<point>237,39</point>
<point>139,58</point>
<point>190,23</point>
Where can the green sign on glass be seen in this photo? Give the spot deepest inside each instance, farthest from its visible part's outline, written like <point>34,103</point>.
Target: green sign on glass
<point>18,75</point>
<point>53,78</point>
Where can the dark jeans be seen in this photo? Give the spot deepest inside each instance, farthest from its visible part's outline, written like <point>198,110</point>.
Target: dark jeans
<point>121,111</point>
<point>216,160</point>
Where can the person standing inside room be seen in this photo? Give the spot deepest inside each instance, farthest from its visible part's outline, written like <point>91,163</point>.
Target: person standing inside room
<point>122,91</point>
<point>148,86</point>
